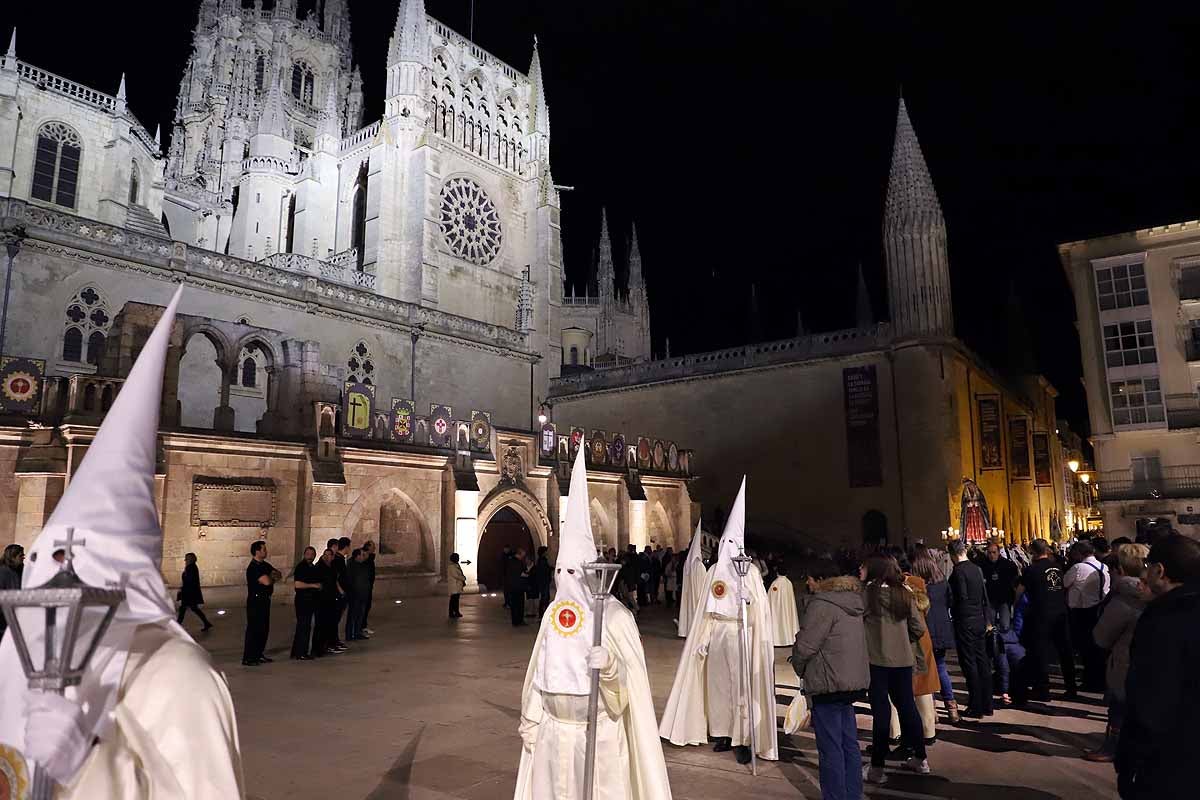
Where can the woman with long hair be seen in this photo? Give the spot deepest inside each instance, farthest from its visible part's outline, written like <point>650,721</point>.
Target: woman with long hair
<point>894,628</point>
<point>937,619</point>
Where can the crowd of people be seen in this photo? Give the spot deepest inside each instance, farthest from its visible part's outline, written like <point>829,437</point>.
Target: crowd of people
<point>883,621</point>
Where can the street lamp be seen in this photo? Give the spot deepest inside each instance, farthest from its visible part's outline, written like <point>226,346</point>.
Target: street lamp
<point>599,577</point>
<point>542,414</point>
<point>1085,477</point>
<point>741,563</point>
<point>1073,464</point>
<point>60,665</point>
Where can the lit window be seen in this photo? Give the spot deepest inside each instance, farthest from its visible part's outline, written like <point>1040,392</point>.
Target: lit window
<point>1136,402</point>
<point>1122,287</point>
<point>1127,344</point>
<point>56,165</point>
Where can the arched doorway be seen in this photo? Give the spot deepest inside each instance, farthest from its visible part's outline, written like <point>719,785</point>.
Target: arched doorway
<point>200,381</point>
<point>874,527</point>
<point>506,527</point>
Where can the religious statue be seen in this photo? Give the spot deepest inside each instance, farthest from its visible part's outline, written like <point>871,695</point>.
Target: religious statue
<point>511,470</point>
<point>974,519</point>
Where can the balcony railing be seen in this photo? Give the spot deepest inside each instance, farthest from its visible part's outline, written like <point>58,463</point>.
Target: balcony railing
<point>1174,482</point>
<point>307,265</point>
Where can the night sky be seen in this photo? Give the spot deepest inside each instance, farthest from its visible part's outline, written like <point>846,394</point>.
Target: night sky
<point>751,141</point>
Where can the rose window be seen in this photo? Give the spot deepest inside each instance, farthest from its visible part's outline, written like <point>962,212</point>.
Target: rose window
<point>470,221</point>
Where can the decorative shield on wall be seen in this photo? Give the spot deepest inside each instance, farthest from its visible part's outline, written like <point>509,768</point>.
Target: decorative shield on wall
<point>685,462</point>
<point>577,435</point>
<point>672,457</point>
<point>21,384</point>
<point>440,429</point>
<point>402,420</point>
<point>616,450</point>
<point>644,449</point>
<point>481,431</point>
<point>598,449</point>
<point>660,455</point>
<point>358,403</point>
<point>548,441</point>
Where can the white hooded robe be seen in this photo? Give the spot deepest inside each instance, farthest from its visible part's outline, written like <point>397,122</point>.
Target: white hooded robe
<point>553,727</point>
<point>706,698</point>
<point>785,621</point>
<point>161,714</point>
<point>694,583</point>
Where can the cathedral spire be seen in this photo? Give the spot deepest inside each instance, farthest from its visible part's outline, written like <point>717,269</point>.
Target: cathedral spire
<point>864,317</point>
<point>637,282</point>
<point>329,125</point>
<point>10,58</point>
<point>605,274</point>
<point>914,235</point>
<point>410,39</point>
<point>272,119</point>
<point>158,136</point>
<point>539,119</point>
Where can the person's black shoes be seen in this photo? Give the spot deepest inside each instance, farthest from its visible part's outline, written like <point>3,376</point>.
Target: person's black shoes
<point>206,629</point>
<point>251,663</point>
<point>724,744</point>
<point>742,753</point>
<point>265,659</point>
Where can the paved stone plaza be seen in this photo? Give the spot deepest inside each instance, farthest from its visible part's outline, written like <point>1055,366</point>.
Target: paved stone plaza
<point>427,710</point>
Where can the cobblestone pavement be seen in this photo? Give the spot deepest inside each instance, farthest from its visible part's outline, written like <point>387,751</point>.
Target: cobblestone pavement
<point>427,710</point>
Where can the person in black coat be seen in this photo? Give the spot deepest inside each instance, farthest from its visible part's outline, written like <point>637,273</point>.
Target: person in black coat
<point>12,564</point>
<point>260,582</point>
<point>1155,749</point>
<point>190,596</point>
<point>937,620</point>
<point>369,549</point>
<point>308,602</point>
<point>1001,576</point>
<point>540,577</point>
<point>969,608</point>
<point>514,586</point>
<point>325,641</point>
<point>358,586</point>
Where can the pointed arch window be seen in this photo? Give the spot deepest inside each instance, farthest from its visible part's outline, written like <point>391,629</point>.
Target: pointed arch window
<point>360,365</point>
<point>86,327</point>
<point>303,82</point>
<point>260,68</point>
<point>56,164</point>
<point>249,372</point>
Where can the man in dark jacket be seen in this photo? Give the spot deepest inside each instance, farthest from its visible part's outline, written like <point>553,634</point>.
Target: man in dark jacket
<point>358,585</point>
<point>308,602</point>
<point>190,595</point>
<point>1001,577</point>
<point>1155,752</point>
<point>369,549</point>
<point>969,608</point>
<point>1045,630</point>
<point>830,654</point>
<point>514,586</point>
<point>12,564</point>
<point>540,577</point>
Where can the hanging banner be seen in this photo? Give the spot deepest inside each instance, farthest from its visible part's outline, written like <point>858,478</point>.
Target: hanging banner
<point>861,396</point>
<point>1018,447</point>
<point>357,410</point>
<point>481,431</point>
<point>440,425</point>
<point>1041,459</point>
<point>402,420</point>
<point>991,454</point>
<point>549,437</point>
<point>21,384</point>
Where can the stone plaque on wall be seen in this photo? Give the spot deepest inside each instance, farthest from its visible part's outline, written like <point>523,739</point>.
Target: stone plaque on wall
<point>233,502</point>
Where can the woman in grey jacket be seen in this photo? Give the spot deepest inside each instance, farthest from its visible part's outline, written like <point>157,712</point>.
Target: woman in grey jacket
<point>830,655</point>
<point>1114,633</point>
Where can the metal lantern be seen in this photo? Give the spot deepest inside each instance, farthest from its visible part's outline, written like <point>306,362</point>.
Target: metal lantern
<point>599,577</point>
<point>64,599</point>
<point>741,563</point>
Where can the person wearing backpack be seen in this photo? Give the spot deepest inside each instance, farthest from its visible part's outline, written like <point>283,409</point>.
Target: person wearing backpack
<point>1087,583</point>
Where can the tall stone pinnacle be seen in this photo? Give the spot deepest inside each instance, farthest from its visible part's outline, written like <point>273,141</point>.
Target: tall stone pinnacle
<point>637,282</point>
<point>605,273</point>
<point>329,123</point>
<point>914,237</point>
<point>864,317</point>
<point>12,45</point>
<point>272,120</point>
<point>410,39</point>
<point>540,118</point>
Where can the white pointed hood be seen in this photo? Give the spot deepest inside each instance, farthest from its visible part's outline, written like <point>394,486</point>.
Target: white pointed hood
<point>109,504</point>
<point>722,587</point>
<point>562,662</point>
<point>695,556</point>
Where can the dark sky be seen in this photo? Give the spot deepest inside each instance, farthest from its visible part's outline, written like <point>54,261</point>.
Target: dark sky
<point>751,140</point>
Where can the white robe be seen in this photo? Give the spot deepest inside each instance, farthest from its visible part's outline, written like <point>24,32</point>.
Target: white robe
<point>693,588</point>
<point>175,735</point>
<point>629,757</point>
<point>784,620</point>
<point>707,687</point>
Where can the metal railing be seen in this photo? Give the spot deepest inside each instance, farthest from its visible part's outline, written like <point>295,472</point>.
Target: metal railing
<point>1174,482</point>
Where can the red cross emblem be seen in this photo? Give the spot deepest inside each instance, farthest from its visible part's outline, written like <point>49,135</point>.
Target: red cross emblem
<point>439,425</point>
<point>719,589</point>
<point>566,617</point>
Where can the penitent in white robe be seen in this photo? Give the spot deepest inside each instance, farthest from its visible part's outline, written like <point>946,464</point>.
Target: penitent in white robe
<point>782,599</point>
<point>692,591</point>
<point>706,696</point>
<point>629,758</point>
<point>174,733</point>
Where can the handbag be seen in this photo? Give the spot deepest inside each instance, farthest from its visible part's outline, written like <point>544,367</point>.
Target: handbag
<point>798,714</point>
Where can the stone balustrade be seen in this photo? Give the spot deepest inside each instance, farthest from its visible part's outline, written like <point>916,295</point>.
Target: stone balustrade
<point>56,83</point>
<point>90,396</point>
<point>359,137</point>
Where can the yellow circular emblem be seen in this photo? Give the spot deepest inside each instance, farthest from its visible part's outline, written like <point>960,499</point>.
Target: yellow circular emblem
<point>14,776</point>
<point>566,617</point>
<point>719,589</point>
